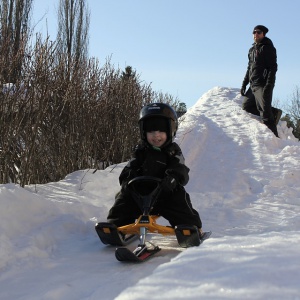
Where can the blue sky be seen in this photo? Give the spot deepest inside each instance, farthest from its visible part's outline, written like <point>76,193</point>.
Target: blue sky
<point>186,47</point>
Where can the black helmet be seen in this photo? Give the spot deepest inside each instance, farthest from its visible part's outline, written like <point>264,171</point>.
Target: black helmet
<point>157,110</point>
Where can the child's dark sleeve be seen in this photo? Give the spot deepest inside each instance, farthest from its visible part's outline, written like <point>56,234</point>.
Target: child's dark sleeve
<point>176,165</point>
<point>131,170</point>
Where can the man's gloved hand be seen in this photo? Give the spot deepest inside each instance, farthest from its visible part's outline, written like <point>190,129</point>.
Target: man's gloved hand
<point>124,185</point>
<point>243,90</point>
<point>268,89</point>
<point>169,183</point>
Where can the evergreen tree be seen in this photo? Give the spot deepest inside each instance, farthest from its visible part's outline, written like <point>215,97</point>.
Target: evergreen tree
<point>181,110</point>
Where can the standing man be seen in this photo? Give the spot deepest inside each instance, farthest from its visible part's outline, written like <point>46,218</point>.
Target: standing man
<point>261,74</point>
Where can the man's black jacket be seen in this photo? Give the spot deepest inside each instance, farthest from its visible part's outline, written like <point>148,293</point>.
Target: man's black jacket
<point>262,65</point>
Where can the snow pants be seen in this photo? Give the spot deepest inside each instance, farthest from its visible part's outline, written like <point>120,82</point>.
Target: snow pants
<point>176,207</point>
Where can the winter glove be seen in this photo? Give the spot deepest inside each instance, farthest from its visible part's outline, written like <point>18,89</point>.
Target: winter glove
<point>124,185</point>
<point>268,87</point>
<point>169,183</point>
<point>243,90</point>
<point>267,91</point>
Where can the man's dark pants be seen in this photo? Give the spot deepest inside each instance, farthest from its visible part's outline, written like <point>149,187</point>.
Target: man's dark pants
<point>258,102</point>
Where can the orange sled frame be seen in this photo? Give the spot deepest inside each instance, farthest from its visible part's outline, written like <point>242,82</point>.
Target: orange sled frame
<point>149,223</point>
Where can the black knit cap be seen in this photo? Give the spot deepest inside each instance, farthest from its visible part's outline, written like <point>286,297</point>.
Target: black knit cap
<point>263,28</point>
<point>156,124</point>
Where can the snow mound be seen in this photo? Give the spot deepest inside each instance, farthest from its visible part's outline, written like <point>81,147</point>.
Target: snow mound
<point>244,182</point>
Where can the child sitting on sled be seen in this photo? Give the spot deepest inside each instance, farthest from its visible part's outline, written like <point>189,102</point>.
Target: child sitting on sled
<point>158,156</point>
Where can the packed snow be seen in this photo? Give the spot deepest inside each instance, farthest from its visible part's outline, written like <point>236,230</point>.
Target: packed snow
<point>244,182</point>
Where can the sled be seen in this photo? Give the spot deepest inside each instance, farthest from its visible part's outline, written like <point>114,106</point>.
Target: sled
<point>145,191</point>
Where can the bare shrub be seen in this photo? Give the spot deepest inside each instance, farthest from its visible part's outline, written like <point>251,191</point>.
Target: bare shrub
<point>53,122</point>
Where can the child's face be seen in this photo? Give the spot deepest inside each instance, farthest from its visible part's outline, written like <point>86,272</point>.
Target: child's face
<point>156,138</point>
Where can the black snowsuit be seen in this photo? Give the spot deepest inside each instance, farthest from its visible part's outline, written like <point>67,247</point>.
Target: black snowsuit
<point>261,74</point>
<point>175,206</point>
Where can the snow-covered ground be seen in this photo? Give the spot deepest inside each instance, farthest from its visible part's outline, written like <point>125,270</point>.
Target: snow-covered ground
<point>244,182</point>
